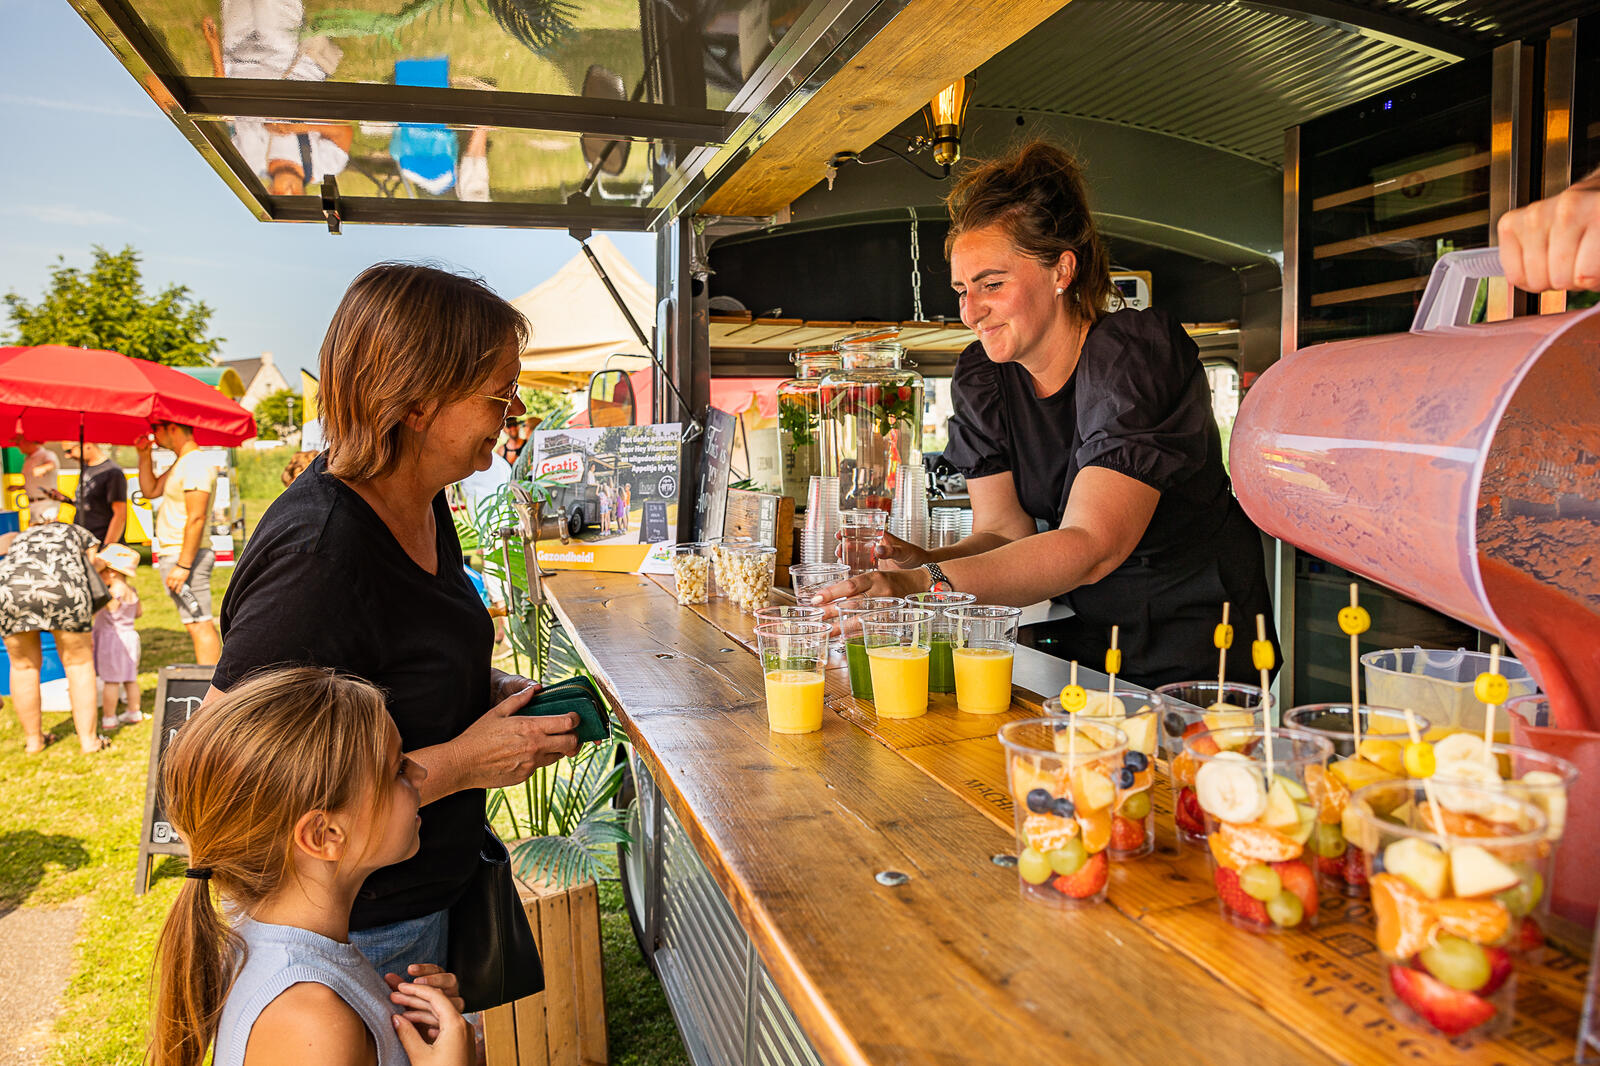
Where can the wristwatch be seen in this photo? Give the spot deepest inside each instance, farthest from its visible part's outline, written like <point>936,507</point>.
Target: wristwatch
<point>940,583</point>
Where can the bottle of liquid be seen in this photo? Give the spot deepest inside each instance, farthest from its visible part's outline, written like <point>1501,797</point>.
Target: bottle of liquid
<point>190,601</point>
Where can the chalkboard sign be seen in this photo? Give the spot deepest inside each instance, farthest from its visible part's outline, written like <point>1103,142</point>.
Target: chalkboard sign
<point>711,482</point>
<point>655,522</point>
<point>179,693</point>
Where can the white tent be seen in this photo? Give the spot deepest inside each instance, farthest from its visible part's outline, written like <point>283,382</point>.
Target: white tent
<point>574,326</point>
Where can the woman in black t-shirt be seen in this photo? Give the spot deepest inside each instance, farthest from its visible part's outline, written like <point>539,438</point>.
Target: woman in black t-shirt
<point>1091,454</point>
<point>357,567</point>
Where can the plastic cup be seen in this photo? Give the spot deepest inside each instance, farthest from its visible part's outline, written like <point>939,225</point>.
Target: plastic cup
<point>861,529</point>
<point>747,574</point>
<point>1137,714</point>
<point>1448,907</point>
<point>855,646</point>
<point>794,656</point>
<point>1576,890</point>
<point>691,572</point>
<point>1178,720</point>
<point>941,669</point>
<point>1257,827</point>
<point>983,646</point>
<point>1063,793</point>
<point>897,643</point>
<point>1341,863</point>
<point>788,614</point>
<point>810,578</point>
<point>1438,684</point>
<point>719,549</point>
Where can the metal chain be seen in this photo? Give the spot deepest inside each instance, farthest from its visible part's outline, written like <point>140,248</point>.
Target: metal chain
<point>916,271</point>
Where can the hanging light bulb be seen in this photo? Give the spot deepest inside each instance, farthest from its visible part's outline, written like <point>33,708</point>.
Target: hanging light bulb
<point>945,114</point>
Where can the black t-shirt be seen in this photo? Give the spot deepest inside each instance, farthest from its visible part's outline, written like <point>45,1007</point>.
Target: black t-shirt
<point>1137,403</point>
<point>100,486</point>
<point>324,582</point>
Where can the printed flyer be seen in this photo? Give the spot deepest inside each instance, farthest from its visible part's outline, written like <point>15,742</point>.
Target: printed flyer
<point>617,489</point>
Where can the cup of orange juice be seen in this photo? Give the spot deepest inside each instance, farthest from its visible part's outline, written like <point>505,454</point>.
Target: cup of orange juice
<point>897,642</point>
<point>794,655</point>
<point>983,645</point>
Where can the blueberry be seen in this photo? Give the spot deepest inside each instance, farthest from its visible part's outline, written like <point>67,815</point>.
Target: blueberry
<point>1124,778</point>
<point>1062,807</point>
<point>1377,863</point>
<point>1039,800</point>
<point>1174,723</point>
<point>1136,761</point>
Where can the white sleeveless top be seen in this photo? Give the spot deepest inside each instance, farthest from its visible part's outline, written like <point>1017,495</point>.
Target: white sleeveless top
<point>284,955</point>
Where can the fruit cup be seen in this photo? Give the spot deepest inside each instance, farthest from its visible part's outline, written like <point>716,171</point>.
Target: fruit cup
<point>897,643</point>
<point>793,658</point>
<point>1133,821</point>
<point>691,572</point>
<point>855,645</point>
<point>983,645</point>
<point>1449,871</point>
<point>1258,822</point>
<point>1205,705</point>
<point>941,668</point>
<point>1063,791</point>
<point>1381,758</point>
<point>1525,773</point>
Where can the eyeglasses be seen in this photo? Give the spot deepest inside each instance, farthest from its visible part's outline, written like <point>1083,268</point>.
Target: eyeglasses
<point>504,400</point>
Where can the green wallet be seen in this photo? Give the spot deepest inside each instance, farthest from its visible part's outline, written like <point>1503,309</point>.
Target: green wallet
<point>578,696</point>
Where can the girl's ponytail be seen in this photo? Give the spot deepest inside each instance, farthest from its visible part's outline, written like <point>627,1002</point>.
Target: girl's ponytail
<point>192,973</point>
<point>236,780</point>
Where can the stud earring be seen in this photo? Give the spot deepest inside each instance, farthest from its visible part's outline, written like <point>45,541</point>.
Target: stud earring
<point>1060,291</point>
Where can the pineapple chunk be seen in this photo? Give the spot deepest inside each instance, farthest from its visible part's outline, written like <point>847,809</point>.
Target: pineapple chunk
<point>1385,754</point>
<point>1280,812</point>
<point>1355,773</point>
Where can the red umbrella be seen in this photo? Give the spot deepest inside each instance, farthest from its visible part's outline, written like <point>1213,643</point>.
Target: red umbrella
<point>52,392</point>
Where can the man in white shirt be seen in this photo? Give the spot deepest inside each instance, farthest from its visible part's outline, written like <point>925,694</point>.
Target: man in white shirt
<point>182,528</point>
<point>39,469</point>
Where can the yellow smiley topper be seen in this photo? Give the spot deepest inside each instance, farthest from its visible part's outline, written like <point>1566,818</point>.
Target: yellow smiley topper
<point>1074,698</point>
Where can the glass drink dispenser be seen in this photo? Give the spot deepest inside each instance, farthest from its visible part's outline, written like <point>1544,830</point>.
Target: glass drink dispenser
<point>800,420</point>
<point>871,420</point>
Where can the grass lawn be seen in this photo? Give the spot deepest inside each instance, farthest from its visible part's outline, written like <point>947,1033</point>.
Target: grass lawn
<point>69,829</point>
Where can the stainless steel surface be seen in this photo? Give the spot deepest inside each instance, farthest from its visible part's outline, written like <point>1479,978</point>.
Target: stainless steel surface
<point>1560,99</point>
<point>728,1011</point>
<point>1289,328</point>
<point>1510,156</point>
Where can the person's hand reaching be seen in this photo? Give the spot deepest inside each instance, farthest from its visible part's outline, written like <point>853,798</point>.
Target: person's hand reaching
<point>1554,244</point>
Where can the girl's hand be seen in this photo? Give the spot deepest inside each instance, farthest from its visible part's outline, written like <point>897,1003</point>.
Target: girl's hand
<point>418,1009</point>
<point>453,1043</point>
<point>893,553</point>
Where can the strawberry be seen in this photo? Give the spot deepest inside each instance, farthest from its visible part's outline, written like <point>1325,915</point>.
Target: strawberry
<point>1447,1009</point>
<point>1355,866</point>
<point>1499,970</point>
<point>1205,746</point>
<point>1331,867</point>
<point>1088,881</point>
<point>1234,898</point>
<point>1187,813</point>
<point>1126,834</point>
<point>1529,938</point>
<point>1298,878</point>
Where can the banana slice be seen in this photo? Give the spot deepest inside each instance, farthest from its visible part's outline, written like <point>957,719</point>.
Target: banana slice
<point>1457,746</point>
<point>1472,771</point>
<point>1545,789</point>
<point>1229,788</point>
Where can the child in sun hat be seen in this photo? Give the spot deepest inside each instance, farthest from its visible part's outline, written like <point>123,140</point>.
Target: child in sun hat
<point>116,642</point>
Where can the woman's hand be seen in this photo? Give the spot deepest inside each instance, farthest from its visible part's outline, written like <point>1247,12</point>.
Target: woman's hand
<point>1554,244</point>
<point>418,1009</point>
<point>453,1044</point>
<point>500,750</point>
<point>876,583</point>
<point>893,553</point>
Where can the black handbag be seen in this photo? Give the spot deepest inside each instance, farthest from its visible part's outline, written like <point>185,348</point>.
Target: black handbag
<point>491,948</point>
<point>99,594</point>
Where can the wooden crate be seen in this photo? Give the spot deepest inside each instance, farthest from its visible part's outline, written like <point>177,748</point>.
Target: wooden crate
<point>565,1025</point>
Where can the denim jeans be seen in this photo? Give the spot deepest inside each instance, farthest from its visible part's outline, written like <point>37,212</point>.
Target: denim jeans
<point>391,948</point>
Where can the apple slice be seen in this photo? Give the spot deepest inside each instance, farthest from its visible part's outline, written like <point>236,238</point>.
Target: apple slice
<point>1092,787</point>
<point>1141,732</point>
<point>1420,863</point>
<point>1280,812</point>
<point>1474,872</point>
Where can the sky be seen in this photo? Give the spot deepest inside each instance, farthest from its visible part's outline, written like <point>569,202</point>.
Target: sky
<point>89,159</point>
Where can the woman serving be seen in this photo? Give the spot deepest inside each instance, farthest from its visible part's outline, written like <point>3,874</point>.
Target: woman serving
<point>1091,455</point>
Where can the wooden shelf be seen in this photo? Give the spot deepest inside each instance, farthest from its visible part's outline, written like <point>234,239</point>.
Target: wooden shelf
<point>1365,192</point>
<point>1368,292</point>
<point>1387,237</point>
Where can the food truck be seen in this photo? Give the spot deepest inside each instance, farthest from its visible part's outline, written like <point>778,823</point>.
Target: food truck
<point>1276,175</point>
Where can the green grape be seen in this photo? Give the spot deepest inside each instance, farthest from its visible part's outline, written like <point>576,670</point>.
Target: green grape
<point>1069,858</point>
<point>1458,963</point>
<point>1285,908</point>
<point>1327,841</point>
<point>1136,806</point>
<point>1521,899</point>
<point>1260,882</point>
<point>1034,867</point>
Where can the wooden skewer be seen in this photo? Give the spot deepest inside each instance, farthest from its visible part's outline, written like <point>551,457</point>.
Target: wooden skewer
<point>1427,789</point>
<point>1266,702</point>
<point>1222,654</point>
<point>1488,715</point>
<point>1355,672</point>
<point>1111,675</point>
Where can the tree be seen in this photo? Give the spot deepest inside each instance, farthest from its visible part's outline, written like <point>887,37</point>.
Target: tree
<point>278,415</point>
<point>106,307</point>
<point>552,407</point>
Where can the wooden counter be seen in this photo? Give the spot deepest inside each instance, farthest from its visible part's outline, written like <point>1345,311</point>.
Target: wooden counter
<point>953,966</point>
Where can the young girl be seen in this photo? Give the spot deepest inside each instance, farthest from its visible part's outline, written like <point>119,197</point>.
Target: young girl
<point>116,642</point>
<point>289,790</point>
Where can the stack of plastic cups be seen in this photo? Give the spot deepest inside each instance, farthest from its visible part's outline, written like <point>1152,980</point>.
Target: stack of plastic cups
<point>944,527</point>
<point>908,519</point>
<point>819,539</point>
